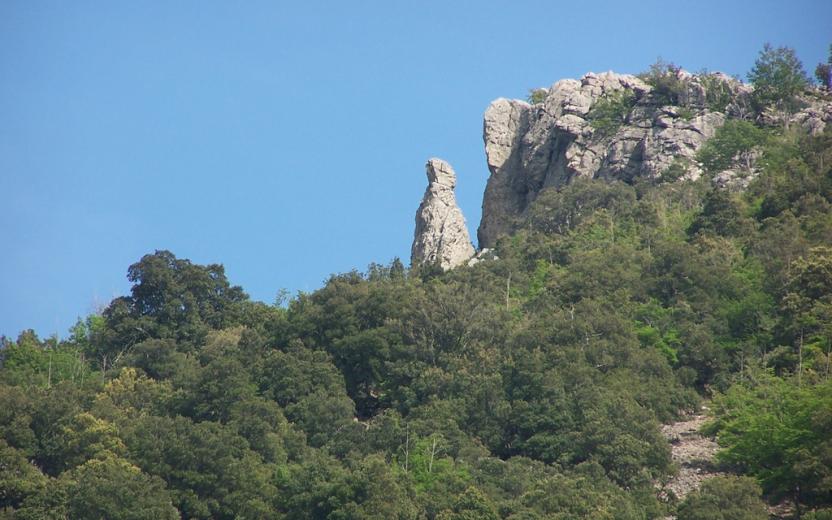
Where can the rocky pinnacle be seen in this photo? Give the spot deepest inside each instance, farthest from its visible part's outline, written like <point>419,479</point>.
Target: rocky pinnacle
<point>441,235</point>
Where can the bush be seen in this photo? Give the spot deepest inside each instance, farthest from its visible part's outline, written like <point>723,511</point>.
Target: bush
<point>718,93</point>
<point>610,111</point>
<point>724,498</point>
<point>667,84</point>
<point>537,95</point>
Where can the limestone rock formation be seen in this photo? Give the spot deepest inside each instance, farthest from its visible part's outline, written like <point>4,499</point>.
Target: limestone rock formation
<point>441,235</point>
<point>533,147</point>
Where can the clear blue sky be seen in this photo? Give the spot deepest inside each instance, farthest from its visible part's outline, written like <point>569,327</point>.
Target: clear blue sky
<point>288,140</point>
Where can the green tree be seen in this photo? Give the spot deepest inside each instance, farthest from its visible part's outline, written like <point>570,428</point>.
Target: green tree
<point>170,298</point>
<point>778,78</point>
<point>19,478</point>
<point>775,430</point>
<point>733,145</point>
<point>823,72</point>
<point>471,505</point>
<point>667,82</point>
<point>110,488</point>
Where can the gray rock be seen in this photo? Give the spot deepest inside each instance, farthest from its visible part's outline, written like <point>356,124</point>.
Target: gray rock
<point>814,117</point>
<point>533,147</point>
<point>441,235</point>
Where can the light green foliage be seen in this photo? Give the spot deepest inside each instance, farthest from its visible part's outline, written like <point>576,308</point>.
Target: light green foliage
<point>724,498</point>
<point>732,145</point>
<point>778,78</point>
<point>610,111</point>
<point>777,431</point>
<point>34,363</point>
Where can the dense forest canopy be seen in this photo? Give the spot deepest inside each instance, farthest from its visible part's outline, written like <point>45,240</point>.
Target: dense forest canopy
<point>528,386</point>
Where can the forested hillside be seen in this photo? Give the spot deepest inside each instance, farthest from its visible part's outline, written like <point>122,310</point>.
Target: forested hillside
<point>530,385</point>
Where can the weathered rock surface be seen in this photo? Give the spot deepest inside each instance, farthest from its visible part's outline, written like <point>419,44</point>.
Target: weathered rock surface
<point>441,235</point>
<point>692,452</point>
<point>533,147</point>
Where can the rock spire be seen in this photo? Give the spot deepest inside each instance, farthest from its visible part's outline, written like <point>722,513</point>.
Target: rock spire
<point>441,235</point>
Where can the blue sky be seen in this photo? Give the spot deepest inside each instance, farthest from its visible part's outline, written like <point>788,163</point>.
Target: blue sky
<point>288,140</point>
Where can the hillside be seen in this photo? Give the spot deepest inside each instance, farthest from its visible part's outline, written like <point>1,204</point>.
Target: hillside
<point>629,275</point>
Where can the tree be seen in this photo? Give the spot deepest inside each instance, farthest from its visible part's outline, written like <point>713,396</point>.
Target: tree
<point>471,505</point>
<point>777,431</point>
<point>733,145</point>
<point>823,72</point>
<point>170,298</point>
<point>778,78</point>
<point>19,478</point>
<point>110,488</point>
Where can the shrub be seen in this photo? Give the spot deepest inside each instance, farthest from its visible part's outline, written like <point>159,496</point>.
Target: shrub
<point>537,95</point>
<point>718,93</point>
<point>724,498</point>
<point>667,84</point>
<point>610,111</point>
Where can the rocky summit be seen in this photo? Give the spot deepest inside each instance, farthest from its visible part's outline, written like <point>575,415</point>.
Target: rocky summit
<point>609,126</point>
<point>602,126</point>
<point>441,235</point>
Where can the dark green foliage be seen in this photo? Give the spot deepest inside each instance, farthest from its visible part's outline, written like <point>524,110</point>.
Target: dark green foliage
<point>721,215</point>
<point>724,498</point>
<point>559,211</point>
<point>823,72</point>
<point>471,505</point>
<point>18,477</point>
<point>170,298</point>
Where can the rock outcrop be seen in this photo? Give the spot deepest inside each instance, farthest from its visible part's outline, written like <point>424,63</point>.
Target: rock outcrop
<point>533,147</point>
<point>441,235</point>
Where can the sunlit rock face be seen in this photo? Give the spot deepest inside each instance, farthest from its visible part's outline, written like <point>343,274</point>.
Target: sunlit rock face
<point>530,147</point>
<point>441,235</point>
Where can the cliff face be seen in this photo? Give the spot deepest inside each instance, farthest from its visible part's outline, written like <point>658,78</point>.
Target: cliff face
<point>606,125</point>
<point>441,235</point>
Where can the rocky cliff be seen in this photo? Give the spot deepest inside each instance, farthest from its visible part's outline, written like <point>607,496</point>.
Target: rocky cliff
<point>441,235</point>
<point>610,126</point>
